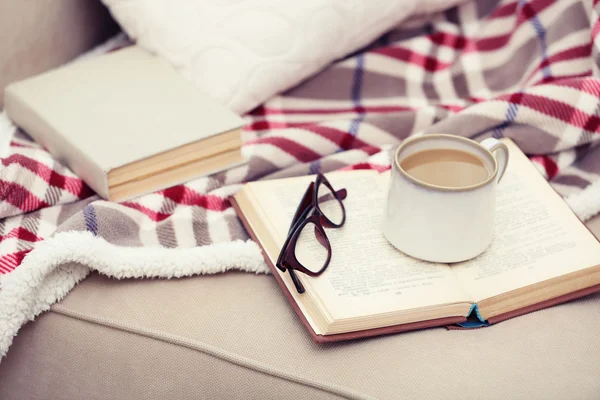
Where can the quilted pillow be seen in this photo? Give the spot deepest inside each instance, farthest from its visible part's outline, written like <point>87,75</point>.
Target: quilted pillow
<point>244,51</point>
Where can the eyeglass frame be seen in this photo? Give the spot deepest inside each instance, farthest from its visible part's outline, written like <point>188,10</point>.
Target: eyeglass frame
<point>308,211</point>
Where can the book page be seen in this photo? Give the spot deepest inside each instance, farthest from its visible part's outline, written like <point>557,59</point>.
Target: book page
<point>536,237</point>
<point>366,275</point>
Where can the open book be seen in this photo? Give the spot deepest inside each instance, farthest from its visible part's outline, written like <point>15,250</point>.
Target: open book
<point>541,255</point>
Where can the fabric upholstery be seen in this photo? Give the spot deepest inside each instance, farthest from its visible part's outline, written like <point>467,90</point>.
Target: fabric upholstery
<point>128,366</point>
<point>234,336</point>
<point>39,35</point>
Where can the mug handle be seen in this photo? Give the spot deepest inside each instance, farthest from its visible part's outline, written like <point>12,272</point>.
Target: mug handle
<point>500,152</point>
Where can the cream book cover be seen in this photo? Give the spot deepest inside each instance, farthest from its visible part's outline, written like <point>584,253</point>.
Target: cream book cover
<point>126,122</point>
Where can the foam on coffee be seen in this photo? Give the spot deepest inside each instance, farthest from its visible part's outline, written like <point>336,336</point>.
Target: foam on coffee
<point>446,167</point>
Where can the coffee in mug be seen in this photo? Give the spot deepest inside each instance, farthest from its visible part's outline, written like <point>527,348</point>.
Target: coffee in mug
<point>442,196</point>
<point>446,167</point>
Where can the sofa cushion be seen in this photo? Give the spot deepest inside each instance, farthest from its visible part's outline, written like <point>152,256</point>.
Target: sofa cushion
<point>234,336</point>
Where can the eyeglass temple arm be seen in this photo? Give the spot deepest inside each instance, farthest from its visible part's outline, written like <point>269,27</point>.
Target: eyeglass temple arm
<point>341,194</point>
<point>297,283</point>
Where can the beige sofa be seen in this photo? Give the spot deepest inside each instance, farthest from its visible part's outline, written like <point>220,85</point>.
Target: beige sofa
<point>234,335</point>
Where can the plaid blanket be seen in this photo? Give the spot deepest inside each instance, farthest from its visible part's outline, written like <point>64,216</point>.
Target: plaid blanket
<point>527,70</point>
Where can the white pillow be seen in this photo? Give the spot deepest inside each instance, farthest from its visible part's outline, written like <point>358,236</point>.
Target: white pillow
<point>244,51</point>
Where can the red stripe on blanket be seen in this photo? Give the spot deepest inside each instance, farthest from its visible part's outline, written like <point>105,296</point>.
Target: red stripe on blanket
<point>595,30</point>
<point>153,215</point>
<point>266,125</point>
<point>300,152</point>
<point>343,139</point>
<point>70,184</point>
<point>264,111</point>
<point>11,261</point>
<point>556,80</point>
<point>365,165</point>
<point>428,63</point>
<point>530,9</point>
<point>21,233</point>
<point>492,43</point>
<point>583,51</point>
<point>549,165</point>
<point>505,10</point>
<point>524,14</point>
<point>452,107</point>
<point>17,144</point>
<point>182,196</point>
<point>186,196</point>
<point>6,264</point>
<point>20,197</point>
<point>447,39</point>
<point>556,109</point>
<point>369,149</point>
<point>590,86</point>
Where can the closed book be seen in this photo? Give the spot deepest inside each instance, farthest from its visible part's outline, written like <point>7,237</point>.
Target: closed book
<point>126,122</point>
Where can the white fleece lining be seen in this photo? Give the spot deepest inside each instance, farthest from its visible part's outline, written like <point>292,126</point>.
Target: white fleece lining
<point>50,271</point>
<point>7,130</point>
<point>586,204</point>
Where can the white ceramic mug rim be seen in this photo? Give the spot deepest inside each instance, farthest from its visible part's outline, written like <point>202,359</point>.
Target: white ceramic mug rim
<point>468,141</point>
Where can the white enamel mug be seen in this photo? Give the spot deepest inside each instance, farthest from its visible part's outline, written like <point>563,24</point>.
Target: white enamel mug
<point>437,223</point>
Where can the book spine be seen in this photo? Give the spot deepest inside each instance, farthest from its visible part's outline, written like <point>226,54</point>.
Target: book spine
<point>50,138</point>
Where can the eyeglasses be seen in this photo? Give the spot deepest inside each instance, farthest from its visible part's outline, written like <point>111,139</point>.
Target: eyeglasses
<point>307,248</point>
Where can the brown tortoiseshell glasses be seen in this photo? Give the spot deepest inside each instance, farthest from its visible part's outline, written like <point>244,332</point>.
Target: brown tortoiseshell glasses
<point>307,248</point>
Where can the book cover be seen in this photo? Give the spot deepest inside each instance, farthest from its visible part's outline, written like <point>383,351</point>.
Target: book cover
<point>111,111</point>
